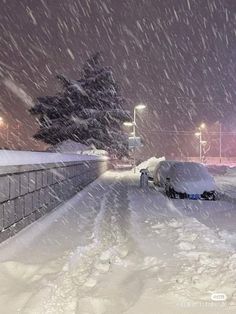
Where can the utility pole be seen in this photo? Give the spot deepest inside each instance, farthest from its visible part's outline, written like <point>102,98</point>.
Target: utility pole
<point>220,142</point>
<point>134,134</point>
<point>133,124</point>
<point>201,142</point>
<point>200,145</point>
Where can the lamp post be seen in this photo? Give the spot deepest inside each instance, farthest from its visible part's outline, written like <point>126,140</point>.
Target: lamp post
<point>133,124</point>
<point>220,143</point>
<point>138,107</point>
<point>201,142</point>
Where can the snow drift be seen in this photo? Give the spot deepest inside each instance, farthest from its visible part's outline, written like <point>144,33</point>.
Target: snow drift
<point>150,164</point>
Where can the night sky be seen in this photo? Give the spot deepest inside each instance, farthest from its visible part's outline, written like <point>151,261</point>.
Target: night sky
<point>177,57</point>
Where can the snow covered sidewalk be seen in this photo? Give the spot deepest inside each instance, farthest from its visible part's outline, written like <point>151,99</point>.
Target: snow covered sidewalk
<point>115,248</point>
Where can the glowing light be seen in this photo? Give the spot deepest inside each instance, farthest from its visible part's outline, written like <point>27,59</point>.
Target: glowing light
<point>140,107</point>
<point>128,123</point>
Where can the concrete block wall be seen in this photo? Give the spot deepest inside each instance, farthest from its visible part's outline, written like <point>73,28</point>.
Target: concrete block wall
<point>27,192</point>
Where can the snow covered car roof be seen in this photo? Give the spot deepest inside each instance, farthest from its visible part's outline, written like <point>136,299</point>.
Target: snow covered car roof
<point>189,170</point>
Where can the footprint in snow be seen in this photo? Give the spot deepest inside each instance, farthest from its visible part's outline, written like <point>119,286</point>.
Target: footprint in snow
<point>103,267</point>
<point>175,224</point>
<point>158,226</point>
<point>90,283</point>
<point>186,246</point>
<point>105,256</point>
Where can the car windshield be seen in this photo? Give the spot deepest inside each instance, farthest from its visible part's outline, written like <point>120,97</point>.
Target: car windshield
<point>188,172</point>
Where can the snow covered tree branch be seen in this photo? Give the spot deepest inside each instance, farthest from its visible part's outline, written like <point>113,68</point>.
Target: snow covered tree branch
<point>89,110</point>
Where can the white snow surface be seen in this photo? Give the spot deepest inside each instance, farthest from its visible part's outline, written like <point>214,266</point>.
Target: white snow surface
<point>13,157</point>
<point>68,146</point>
<point>96,152</point>
<point>73,147</point>
<point>150,164</point>
<point>117,249</point>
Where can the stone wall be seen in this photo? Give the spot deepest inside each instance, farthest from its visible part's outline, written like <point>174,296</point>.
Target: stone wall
<point>27,192</point>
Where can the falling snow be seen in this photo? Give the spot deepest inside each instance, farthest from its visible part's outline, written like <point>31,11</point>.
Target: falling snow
<point>117,248</point>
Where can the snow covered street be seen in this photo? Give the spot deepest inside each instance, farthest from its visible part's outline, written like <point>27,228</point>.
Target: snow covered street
<point>115,248</point>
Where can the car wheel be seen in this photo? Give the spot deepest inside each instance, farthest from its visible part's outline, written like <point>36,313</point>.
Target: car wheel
<point>172,193</point>
<point>212,196</point>
<point>209,196</point>
<point>182,195</point>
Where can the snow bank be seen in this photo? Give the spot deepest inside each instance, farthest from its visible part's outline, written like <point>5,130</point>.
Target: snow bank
<point>150,164</point>
<point>226,183</point>
<point>73,147</point>
<point>231,171</point>
<point>68,146</point>
<point>96,152</point>
<point>14,158</point>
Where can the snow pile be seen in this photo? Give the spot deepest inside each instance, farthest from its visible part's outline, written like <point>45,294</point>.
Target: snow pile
<point>14,158</point>
<point>73,147</point>
<point>68,146</point>
<point>94,151</point>
<point>150,164</point>
<point>226,182</point>
<point>231,171</point>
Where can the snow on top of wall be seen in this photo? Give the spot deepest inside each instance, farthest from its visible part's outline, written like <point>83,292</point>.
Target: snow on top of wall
<point>73,147</point>
<point>15,158</point>
<point>68,146</point>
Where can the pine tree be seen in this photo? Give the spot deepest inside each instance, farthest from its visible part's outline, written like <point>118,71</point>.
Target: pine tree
<point>89,111</point>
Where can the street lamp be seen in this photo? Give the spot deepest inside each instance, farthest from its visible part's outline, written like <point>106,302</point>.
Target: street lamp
<point>138,107</point>
<point>133,124</point>
<point>128,123</point>
<point>202,126</point>
<point>220,135</point>
<point>201,142</point>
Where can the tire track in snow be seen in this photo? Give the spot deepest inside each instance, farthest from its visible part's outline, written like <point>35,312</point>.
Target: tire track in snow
<point>86,265</point>
<point>120,287</point>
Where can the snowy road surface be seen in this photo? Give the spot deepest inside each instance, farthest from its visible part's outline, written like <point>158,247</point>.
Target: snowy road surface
<point>115,248</point>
